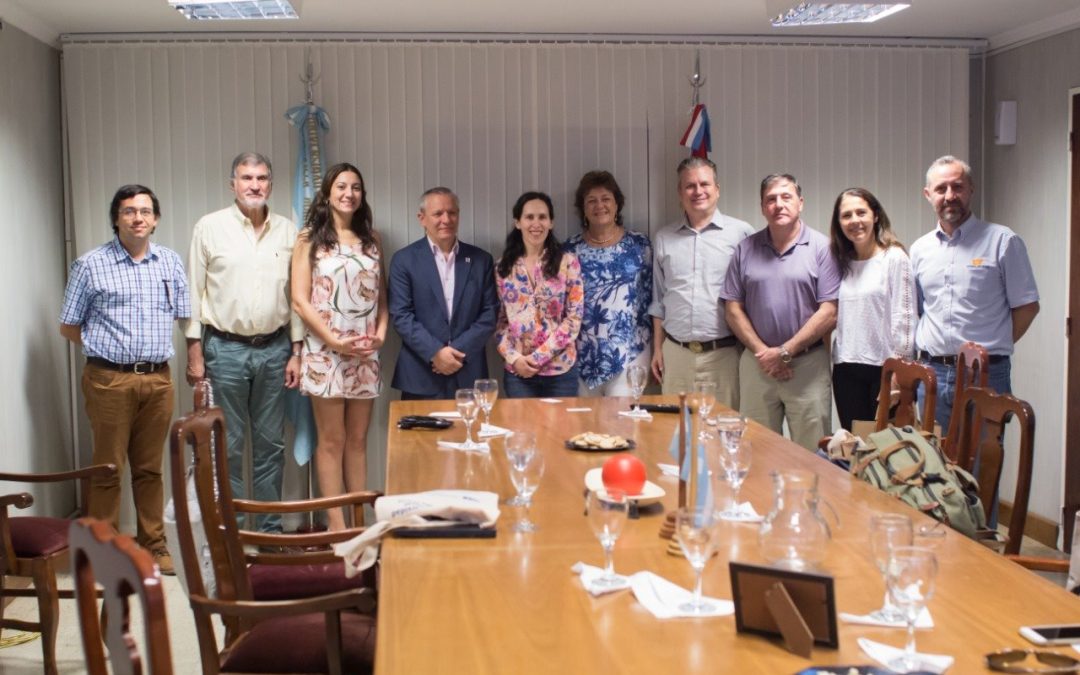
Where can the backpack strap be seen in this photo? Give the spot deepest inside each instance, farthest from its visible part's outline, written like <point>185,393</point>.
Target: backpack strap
<point>908,475</point>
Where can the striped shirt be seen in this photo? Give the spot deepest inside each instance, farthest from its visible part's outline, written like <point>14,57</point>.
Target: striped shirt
<point>126,308</point>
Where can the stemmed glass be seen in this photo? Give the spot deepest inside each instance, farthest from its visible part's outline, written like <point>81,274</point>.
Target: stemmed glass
<point>887,531</point>
<point>637,377</point>
<point>607,515</point>
<point>730,429</point>
<point>526,478</point>
<point>735,462</point>
<point>468,408</point>
<point>910,579</point>
<point>705,396</point>
<point>695,529</point>
<point>487,391</point>
<point>520,446</point>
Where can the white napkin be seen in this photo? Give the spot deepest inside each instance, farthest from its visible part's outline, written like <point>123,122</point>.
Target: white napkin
<point>662,598</point>
<point>551,400</point>
<point>874,619</point>
<point>589,574</point>
<point>477,447</point>
<point>668,469</point>
<point>934,663</point>
<point>490,430</point>
<point>643,415</point>
<point>744,513</point>
<point>578,409</point>
<point>446,414</point>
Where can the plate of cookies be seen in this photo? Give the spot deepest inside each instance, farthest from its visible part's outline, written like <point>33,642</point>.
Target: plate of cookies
<point>591,441</point>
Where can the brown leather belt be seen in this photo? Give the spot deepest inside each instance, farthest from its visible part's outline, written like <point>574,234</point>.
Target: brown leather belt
<point>139,367</point>
<point>699,347</point>
<point>251,340</point>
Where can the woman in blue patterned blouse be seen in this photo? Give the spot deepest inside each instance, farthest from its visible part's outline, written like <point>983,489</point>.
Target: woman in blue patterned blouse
<point>616,266</point>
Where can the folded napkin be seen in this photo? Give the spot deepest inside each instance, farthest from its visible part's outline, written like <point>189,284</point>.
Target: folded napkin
<point>476,447</point>
<point>643,415</point>
<point>551,400</point>
<point>875,619</point>
<point>490,430</point>
<point>589,574</point>
<point>578,409</point>
<point>450,507</point>
<point>934,663</point>
<point>744,513</point>
<point>446,414</point>
<point>668,469</point>
<point>662,598</point>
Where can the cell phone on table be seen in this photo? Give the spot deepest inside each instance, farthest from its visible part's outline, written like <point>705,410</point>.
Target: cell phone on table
<point>1062,634</point>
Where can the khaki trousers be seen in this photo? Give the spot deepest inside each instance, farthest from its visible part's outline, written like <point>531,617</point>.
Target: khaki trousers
<point>682,367</point>
<point>805,400</point>
<point>129,417</point>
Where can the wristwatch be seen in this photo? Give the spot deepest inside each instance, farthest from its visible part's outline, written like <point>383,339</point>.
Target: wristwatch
<point>785,355</point>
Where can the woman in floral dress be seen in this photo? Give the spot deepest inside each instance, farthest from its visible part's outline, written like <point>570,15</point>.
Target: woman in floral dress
<point>338,289</point>
<point>540,296</point>
<point>616,266</point>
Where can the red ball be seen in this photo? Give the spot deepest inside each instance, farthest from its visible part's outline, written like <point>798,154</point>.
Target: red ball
<point>624,472</point>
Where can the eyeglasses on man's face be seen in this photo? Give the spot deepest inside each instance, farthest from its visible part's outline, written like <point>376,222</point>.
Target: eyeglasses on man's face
<point>131,211</point>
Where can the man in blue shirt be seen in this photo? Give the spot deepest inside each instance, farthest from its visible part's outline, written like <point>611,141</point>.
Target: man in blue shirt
<point>120,304</point>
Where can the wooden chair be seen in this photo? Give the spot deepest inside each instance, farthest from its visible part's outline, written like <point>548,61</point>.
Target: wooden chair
<point>972,370</point>
<point>99,555</point>
<point>309,633</point>
<point>31,546</point>
<point>909,375</point>
<point>983,415</point>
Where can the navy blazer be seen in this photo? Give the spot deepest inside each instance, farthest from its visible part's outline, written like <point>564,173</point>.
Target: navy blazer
<point>418,310</point>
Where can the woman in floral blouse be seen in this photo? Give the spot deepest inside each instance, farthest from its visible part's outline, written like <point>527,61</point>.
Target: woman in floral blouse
<point>616,265</point>
<point>541,299</point>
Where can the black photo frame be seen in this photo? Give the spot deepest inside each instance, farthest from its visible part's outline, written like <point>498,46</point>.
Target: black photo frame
<point>763,608</point>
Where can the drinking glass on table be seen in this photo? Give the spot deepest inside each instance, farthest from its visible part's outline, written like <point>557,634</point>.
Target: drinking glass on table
<point>910,579</point>
<point>705,396</point>
<point>487,391</point>
<point>526,478</point>
<point>695,529</point>
<point>887,531</point>
<point>735,463</point>
<point>607,516</point>
<point>730,429</point>
<point>520,446</point>
<point>468,407</point>
<point>637,377</point>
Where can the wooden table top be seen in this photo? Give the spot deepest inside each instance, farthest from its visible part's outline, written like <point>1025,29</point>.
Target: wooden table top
<point>511,604</point>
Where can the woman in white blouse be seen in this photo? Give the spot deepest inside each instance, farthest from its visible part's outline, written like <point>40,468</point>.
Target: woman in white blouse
<point>877,311</point>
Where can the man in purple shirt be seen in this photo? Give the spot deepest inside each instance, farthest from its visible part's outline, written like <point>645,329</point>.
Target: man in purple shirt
<point>781,290</point>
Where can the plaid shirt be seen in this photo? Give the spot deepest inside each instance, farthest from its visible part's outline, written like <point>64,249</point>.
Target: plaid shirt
<point>127,308</point>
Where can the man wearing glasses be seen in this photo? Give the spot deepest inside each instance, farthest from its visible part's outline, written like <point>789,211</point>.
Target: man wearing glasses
<point>243,334</point>
<point>120,304</point>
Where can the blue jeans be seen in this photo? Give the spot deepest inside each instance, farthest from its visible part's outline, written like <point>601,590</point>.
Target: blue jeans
<point>249,385</point>
<point>541,386</point>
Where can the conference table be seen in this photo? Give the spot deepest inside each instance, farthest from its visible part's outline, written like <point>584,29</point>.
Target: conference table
<point>511,604</point>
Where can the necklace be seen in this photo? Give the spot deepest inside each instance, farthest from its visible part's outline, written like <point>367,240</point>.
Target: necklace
<point>600,242</point>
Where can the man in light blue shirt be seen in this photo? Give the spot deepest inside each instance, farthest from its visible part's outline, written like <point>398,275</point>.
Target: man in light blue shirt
<point>975,283</point>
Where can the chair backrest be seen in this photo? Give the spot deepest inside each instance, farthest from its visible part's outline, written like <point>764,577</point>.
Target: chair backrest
<point>123,569</point>
<point>972,370</point>
<point>909,375</point>
<point>983,414</point>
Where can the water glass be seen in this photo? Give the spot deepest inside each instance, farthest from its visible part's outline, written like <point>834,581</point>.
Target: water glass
<point>520,446</point>
<point>526,478</point>
<point>910,577</point>
<point>705,397</point>
<point>487,391</point>
<point>730,429</point>
<point>735,463</point>
<point>636,378</point>
<point>468,407</point>
<point>695,529</point>
<point>887,531</point>
<point>607,515</point>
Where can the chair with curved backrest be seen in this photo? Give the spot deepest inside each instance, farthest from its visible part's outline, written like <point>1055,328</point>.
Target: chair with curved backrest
<point>984,414</point>
<point>99,555</point>
<point>30,546</point>
<point>909,375</point>
<point>311,633</point>
<point>972,370</point>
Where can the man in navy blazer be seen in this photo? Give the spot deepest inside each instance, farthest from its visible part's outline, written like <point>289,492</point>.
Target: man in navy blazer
<point>443,304</point>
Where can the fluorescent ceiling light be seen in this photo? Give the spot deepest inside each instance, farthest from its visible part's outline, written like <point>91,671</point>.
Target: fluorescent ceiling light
<point>197,10</point>
<point>819,12</point>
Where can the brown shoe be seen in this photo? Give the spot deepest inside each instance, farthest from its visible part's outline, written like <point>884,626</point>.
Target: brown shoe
<point>164,561</point>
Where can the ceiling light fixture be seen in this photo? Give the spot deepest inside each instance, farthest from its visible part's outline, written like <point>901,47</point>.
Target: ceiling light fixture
<point>817,12</point>
<point>207,10</point>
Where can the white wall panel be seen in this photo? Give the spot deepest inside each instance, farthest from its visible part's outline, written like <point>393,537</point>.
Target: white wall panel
<point>491,120</point>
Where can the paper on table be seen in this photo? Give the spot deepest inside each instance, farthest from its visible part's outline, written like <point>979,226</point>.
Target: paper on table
<point>476,447</point>
<point>643,415</point>
<point>662,598</point>
<point>446,414</point>
<point>578,409</point>
<point>589,574</point>
<point>490,430</point>
<point>668,469</point>
<point>551,400</point>
<point>744,513</point>
<point>875,619</point>
<point>934,663</point>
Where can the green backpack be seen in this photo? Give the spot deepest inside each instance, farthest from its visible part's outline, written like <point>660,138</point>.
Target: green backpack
<point>911,467</point>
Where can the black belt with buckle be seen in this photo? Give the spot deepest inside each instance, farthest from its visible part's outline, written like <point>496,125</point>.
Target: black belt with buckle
<point>139,367</point>
<point>952,360</point>
<point>250,340</point>
<point>701,347</point>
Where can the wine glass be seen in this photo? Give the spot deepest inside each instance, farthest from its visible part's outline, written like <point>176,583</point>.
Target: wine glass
<point>487,391</point>
<point>909,577</point>
<point>735,463</point>
<point>705,396</point>
<point>637,377</point>
<point>526,478</point>
<point>887,531</point>
<point>468,408</point>
<point>695,529</point>
<point>730,429</point>
<point>520,446</point>
<point>607,515</point>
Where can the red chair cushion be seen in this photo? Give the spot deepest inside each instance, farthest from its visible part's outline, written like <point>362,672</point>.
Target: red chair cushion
<point>289,582</point>
<point>297,644</point>
<point>34,537</point>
